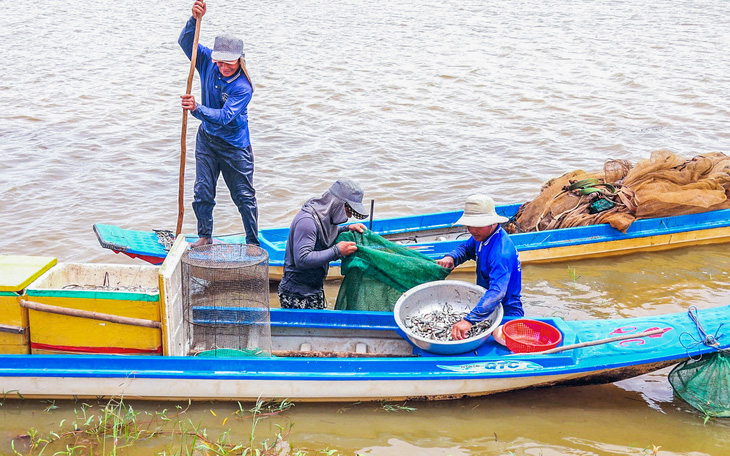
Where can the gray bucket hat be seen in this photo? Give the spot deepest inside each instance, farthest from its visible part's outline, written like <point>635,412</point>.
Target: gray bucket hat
<point>351,193</point>
<point>227,48</point>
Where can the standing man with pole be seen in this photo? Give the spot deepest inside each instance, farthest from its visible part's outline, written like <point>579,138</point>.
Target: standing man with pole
<point>222,145</point>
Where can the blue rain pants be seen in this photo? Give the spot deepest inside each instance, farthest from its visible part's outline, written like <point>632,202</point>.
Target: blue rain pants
<point>213,157</point>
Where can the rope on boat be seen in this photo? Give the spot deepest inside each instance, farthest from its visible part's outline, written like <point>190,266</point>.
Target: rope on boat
<point>710,341</point>
<point>165,238</point>
<point>704,338</point>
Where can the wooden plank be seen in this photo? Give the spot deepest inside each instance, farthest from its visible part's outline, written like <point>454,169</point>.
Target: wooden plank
<point>10,329</point>
<point>171,300</point>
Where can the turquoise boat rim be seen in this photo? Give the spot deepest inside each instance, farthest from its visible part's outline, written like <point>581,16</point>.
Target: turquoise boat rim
<point>90,294</point>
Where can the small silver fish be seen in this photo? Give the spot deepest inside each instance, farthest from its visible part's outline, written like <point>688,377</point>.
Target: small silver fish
<point>436,324</point>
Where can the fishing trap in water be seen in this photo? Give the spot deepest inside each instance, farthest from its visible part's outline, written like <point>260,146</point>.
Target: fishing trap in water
<point>226,300</point>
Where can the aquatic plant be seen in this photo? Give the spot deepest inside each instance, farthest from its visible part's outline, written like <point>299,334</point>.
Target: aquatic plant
<point>575,278</point>
<point>117,425</point>
<point>396,408</point>
<point>5,396</point>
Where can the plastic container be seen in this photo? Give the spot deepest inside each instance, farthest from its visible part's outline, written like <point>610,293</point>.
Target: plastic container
<point>433,295</point>
<point>530,336</point>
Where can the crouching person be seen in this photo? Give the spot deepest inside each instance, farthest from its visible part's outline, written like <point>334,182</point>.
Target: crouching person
<point>311,244</point>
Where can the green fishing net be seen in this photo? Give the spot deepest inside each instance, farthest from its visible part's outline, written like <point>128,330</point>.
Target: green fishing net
<point>380,271</point>
<point>704,383</point>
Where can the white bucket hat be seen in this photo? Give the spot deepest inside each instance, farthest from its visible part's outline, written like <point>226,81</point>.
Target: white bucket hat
<point>479,212</point>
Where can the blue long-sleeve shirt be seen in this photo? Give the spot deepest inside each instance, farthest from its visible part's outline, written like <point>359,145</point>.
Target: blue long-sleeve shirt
<point>498,270</point>
<point>223,107</point>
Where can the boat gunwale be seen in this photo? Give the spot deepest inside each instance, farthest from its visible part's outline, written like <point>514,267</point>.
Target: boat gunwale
<point>538,240</point>
<point>422,368</point>
<point>541,240</point>
<point>229,368</point>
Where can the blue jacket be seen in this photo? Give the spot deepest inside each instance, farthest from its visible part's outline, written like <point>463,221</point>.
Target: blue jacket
<point>223,107</point>
<point>498,270</point>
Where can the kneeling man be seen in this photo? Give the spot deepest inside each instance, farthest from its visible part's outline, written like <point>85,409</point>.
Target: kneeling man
<point>498,267</point>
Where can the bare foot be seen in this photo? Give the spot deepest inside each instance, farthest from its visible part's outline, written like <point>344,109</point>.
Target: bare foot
<point>201,241</point>
<point>499,336</point>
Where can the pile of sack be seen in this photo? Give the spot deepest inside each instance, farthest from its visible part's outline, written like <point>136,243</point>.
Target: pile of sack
<point>663,185</point>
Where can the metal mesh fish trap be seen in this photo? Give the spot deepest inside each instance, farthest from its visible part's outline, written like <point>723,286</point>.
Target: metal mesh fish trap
<point>226,300</point>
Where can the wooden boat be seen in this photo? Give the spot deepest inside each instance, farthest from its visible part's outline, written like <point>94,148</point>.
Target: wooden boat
<point>434,235</point>
<point>136,345</point>
<point>359,356</point>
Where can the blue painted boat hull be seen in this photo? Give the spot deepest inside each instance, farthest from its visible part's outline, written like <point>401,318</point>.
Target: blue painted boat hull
<point>421,232</point>
<point>417,375</point>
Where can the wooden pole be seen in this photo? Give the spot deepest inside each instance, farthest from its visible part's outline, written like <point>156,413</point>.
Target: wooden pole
<point>88,314</point>
<point>12,329</point>
<point>372,208</point>
<point>183,136</point>
<point>599,342</point>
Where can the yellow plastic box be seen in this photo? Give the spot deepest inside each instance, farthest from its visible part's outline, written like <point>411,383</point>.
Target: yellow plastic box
<point>16,273</point>
<point>95,308</point>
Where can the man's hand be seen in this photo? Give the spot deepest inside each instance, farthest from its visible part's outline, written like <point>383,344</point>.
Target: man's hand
<point>188,102</point>
<point>459,330</point>
<point>199,8</point>
<point>346,247</point>
<point>359,227</point>
<point>446,262</point>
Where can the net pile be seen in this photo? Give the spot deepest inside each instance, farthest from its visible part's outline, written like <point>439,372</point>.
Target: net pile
<point>380,271</point>
<point>704,383</point>
<point>226,300</point>
<point>663,185</point>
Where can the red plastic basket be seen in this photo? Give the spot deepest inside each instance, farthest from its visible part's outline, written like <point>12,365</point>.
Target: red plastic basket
<point>529,336</point>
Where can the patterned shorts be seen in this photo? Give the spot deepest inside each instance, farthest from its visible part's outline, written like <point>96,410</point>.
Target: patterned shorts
<point>292,301</point>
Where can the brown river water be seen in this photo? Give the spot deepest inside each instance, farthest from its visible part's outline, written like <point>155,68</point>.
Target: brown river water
<point>422,102</point>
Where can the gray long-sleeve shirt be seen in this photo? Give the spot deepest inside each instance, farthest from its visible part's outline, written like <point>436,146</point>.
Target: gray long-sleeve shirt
<point>307,257</point>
